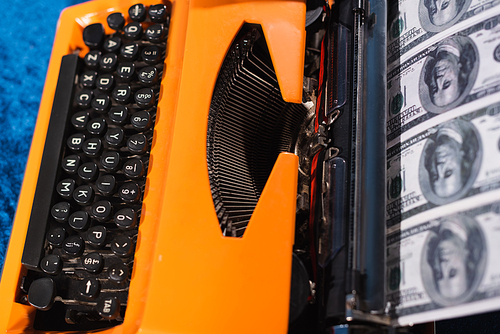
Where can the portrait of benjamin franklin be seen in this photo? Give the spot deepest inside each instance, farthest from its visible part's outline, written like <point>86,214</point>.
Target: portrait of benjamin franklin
<point>437,15</point>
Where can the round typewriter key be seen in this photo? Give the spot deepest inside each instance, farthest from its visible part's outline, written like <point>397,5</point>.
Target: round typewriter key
<point>106,184</point>
<point>71,163</point>
<point>121,245</point>
<point>96,126</point>
<point>151,54</point>
<point>145,97</point>
<point>75,142</point>
<point>157,13</point>
<point>41,293</point>
<point>116,21</point>
<point>148,75</point>
<point>83,195</point>
<point>118,272</point>
<point>125,71</point>
<point>79,220</point>
<point>66,187</point>
<point>129,51</point>
<point>93,262</point>
<point>92,147</point>
<point>91,59</point>
<point>96,235</point>
<point>112,44</point>
<point>137,144</point>
<point>118,114</point>
<point>108,62</point>
<point>114,136</point>
<point>89,287</point>
<point>141,120</point>
<point>122,94</point>
<point>105,82</point>
<point>88,171</point>
<point>129,192</point>
<point>155,33</point>
<point>80,119</point>
<point>56,236</point>
<point>51,264</point>
<point>108,308</point>
<point>88,79</point>
<point>60,211</point>
<point>84,98</point>
<point>110,161</point>
<point>133,31</point>
<point>133,168</point>
<point>74,245</point>
<point>126,218</point>
<point>137,12</point>
<point>102,210</point>
<point>93,35</point>
<point>101,103</point>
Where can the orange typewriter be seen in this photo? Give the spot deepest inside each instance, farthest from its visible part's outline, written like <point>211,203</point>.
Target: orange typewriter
<point>183,178</point>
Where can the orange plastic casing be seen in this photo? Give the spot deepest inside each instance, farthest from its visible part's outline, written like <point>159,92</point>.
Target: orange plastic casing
<point>187,277</point>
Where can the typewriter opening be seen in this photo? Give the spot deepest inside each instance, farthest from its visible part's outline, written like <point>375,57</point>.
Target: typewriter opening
<point>249,125</point>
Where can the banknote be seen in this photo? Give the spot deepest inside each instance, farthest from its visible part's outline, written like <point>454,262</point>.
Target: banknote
<point>446,267</point>
<point>458,70</point>
<point>407,30</point>
<point>456,159</point>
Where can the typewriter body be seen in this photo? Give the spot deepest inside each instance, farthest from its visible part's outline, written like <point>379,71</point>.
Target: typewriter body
<point>256,214</point>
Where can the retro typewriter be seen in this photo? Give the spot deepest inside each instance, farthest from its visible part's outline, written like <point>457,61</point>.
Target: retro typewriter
<point>201,167</point>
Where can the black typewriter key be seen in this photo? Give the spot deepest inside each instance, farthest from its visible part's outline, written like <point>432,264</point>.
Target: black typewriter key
<point>83,195</point>
<point>41,293</point>
<point>89,287</point>
<point>93,35</point>
<point>148,75</point>
<point>80,119</point>
<point>137,12</point>
<point>125,71</point>
<point>121,245</point>
<point>130,51</point>
<point>66,187</point>
<point>91,59</point>
<point>74,245</point>
<point>118,114</point>
<point>60,211</point>
<point>92,147</point>
<point>126,218</point>
<point>96,235</point>
<point>145,97</point>
<point>129,192</point>
<point>84,98</point>
<point>87,79</point>
<point>96,126</point>
<point>75,142</point>
<point>101,103</point>
<point>133,31</point>
<point>118,272</point>
<point>116,21</point>
<point>108,308</point>
<point>93,262</point>
<point>56,236</point>
<point>122,94</point>
<point>106,184</point>
<point>102,210</point>
<point>137,144</point>
<point>88,171</point>
<point>155,33</point>
<point>112,44</point>
<point>105,82</point>
<point>133,168</point>
<point>110,161</point>
<point>151,54</point>
<point>141,120</point>
<point>51,264</point>
<point>114,136</point>
<point>79,220</point>
<point>108,62</point>
<point>71,163</point>
<point>157,13</point>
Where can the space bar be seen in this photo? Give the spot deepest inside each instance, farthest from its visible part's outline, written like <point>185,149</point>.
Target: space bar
<point>49,168</point>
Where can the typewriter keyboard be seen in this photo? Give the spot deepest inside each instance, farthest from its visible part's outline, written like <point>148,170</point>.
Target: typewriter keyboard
<point>81,238</point>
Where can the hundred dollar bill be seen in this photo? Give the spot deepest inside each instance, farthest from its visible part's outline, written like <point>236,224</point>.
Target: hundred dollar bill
<point>447,267</point>
<point>456,71</point>
<point>411,22</point>
<point>456,159</point>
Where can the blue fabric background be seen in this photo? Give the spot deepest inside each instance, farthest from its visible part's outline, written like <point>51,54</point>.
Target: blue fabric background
<point>26,36</point>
